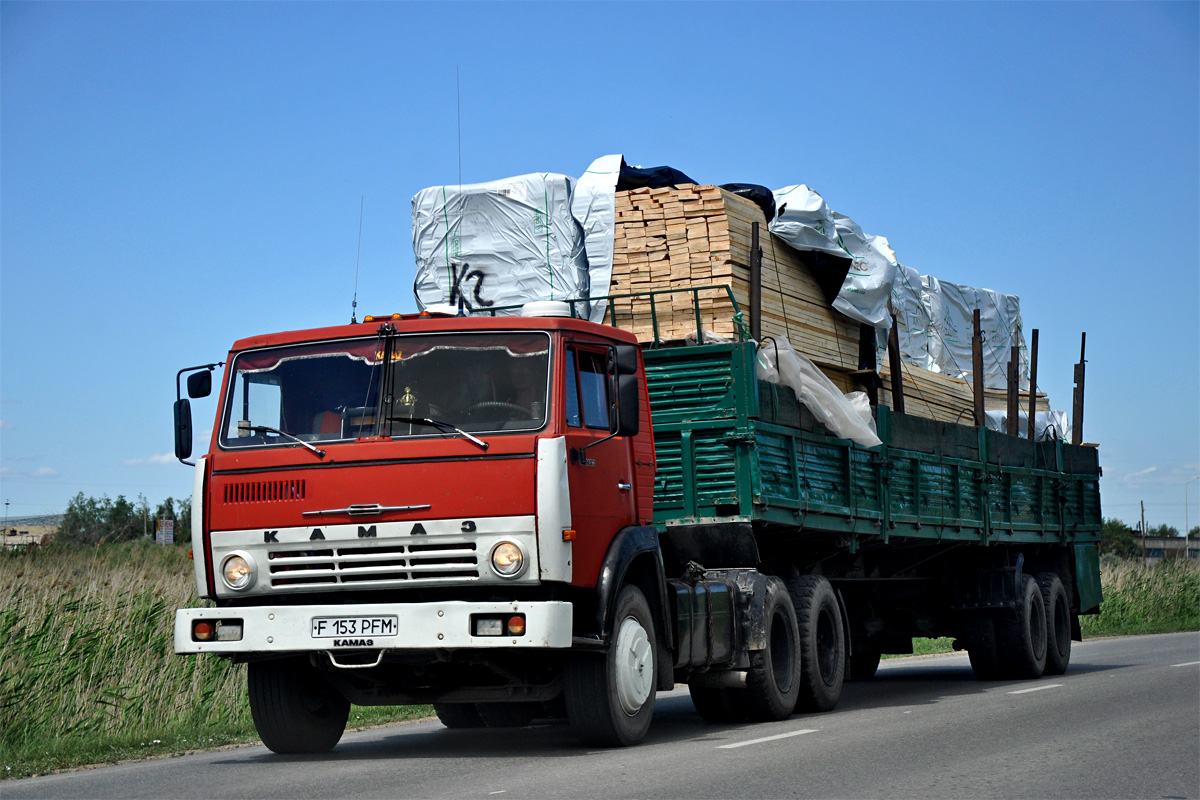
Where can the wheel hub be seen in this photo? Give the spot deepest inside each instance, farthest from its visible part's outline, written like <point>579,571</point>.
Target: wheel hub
<point>634,666</point>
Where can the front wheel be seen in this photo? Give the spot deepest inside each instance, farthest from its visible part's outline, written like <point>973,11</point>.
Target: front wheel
<point>610,696</point>
<point>294,709</point>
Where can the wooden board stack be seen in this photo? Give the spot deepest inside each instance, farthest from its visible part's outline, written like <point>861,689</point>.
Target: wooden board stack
<point>676,238</point>
<point>690,236</point>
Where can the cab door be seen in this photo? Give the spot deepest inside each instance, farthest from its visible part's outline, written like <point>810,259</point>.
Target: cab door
<point>599,468</point>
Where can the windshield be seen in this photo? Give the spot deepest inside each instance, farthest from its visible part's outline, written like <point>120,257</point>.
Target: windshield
<point>330,391</point>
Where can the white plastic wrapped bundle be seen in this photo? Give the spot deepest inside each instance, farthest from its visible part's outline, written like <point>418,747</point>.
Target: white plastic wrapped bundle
<point>845,415</point>
<point>934,326</point>
<point>806,222</point>
<point>1046,424</point>
<point>502,243</point>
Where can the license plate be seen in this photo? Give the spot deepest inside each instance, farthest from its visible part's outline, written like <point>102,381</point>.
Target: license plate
<point>330,627</point>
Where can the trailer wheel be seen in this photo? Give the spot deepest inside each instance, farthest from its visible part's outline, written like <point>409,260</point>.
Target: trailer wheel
<point>822,646</point>
<point>773,680</point>
<point>507,715</point>
<point>1022,637</point>
<point>295,710</point>
<point>1058,623</point>
<point>610,696</point>
<point>863,665</point>
<point>981,648</point>
<point>458,715</point>
<point>717,704</point>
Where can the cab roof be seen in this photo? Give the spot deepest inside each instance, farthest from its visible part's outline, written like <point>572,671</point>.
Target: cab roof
<point>435,323</point>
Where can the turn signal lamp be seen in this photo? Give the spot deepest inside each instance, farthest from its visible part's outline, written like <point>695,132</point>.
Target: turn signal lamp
<point>568,535</point>
<point>516,625</point>
<point>203,631</point>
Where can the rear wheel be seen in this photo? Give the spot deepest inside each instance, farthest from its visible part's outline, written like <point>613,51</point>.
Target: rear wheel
<point>295,710</point>
<point>458,715</point>
<point>718,704</point>
<point>981,647</point>
<point>863,665</point>
<point>507,715</point>
<point>822,646</point>
<point>610,696</point>
<point>1058,623</point>
<point>773,681</point>
<point>1022,637</point>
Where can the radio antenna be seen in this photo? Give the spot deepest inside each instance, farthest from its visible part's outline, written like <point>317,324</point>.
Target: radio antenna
<point>458,108</point>
<point>357,259</point>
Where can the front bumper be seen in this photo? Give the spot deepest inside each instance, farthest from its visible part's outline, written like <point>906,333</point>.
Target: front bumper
<point>419,626</point>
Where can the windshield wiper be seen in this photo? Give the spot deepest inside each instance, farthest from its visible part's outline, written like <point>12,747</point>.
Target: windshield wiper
<point>268,429</point>
<point>435,423</point>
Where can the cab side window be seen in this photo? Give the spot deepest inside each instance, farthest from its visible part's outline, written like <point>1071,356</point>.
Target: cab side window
<point>587,389</point>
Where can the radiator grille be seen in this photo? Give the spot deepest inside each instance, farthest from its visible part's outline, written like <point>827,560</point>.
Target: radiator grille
<point>264,491</point>
<point>359,564</point>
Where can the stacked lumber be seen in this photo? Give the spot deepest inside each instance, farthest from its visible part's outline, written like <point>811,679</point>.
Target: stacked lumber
<point>691,236</point>
<point>675,238</point>
<point>946,399</point>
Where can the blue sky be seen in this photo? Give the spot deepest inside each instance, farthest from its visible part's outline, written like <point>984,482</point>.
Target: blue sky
<point>176,176</point>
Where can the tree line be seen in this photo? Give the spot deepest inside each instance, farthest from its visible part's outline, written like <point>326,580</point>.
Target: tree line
<point>94,521</point>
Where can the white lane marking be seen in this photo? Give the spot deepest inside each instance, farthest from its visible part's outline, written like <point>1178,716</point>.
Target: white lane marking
<point>765,739</point>
<point>1037,688</point>
<point>502,791</point>
<point>1188,664</point>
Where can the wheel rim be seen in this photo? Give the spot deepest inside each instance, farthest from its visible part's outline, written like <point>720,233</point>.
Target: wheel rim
<point>634,666</point>
<point>826,647</point>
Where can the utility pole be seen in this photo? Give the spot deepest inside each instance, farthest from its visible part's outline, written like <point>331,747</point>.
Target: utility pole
<point>1186,529</point>
<point>1144,557</point>
<point>6,515</point>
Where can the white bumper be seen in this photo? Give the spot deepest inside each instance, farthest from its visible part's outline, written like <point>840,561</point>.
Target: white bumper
<point>419,626</point>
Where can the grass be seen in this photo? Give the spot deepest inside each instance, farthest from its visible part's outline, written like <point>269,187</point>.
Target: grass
<point>87,668</point>
<point>88,674</point>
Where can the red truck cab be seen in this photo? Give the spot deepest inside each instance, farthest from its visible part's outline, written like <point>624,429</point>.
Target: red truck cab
<point>416,509</point>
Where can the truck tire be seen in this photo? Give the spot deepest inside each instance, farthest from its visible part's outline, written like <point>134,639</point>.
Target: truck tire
<point>610,696</point>
<point>1058,623</point>
<point>982,650</point>
<point>507,715</point>
<point>822,646</point>
<point>1021,638</point>
<point>773,680</point>
<point>863,665</point>
<point>295,710</point>
<point>458,715</point>
<point>717,704</point>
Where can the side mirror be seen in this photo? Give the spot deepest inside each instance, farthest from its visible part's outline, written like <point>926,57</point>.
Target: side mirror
<point>183,427</point>
<point>623,359</point>
<point>624,416</point>
<point>199,384</point>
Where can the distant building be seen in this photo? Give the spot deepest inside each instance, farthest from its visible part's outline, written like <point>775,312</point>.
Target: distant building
<point>1158,548</point>
<point>23,531</point>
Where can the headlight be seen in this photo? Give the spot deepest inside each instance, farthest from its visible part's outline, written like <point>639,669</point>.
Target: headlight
<point>238,572</point>
<point>507,560</point>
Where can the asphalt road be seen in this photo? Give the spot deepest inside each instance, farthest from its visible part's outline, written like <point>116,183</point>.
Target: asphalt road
<point>1124,722</point>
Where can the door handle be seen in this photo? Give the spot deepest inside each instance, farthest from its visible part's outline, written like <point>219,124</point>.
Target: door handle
<point>624,487</point>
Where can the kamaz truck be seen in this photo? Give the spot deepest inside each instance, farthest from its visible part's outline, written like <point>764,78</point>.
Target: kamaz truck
<point>518,517</point>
